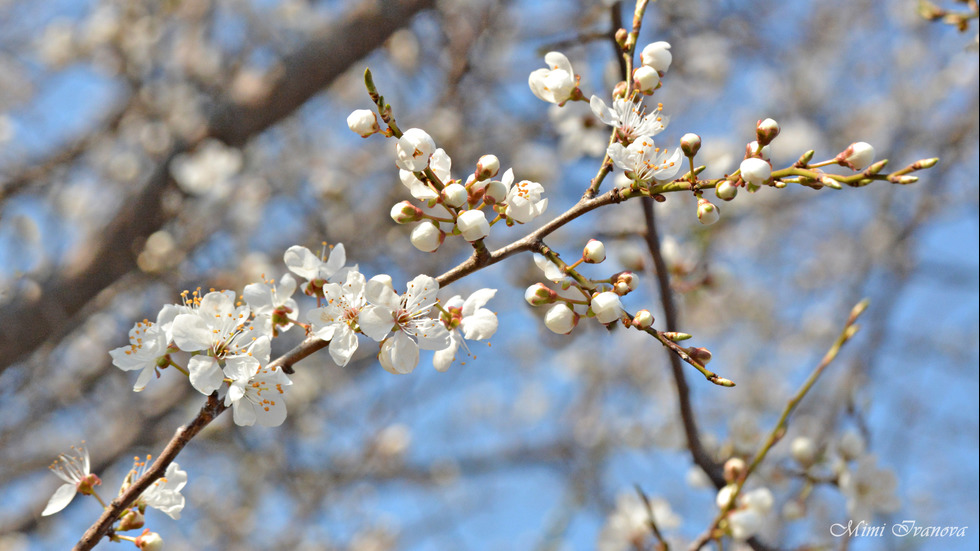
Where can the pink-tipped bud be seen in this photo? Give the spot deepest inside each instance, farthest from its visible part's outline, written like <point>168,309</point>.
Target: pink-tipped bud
<point>539,294</point>
<point>646,79</point>
<point>487,167</point>
<point>149,541</point>
<point>700,355</point>
<point>405,212</point>
<point>364,122</point>
<point>857,156</point>
<point>690,144</point>
<point>734,468</point>
<point>561,319</point>
<point>643,319</point>
<point>594,252</point>
<point>708,213</point>
<point>766,130</point>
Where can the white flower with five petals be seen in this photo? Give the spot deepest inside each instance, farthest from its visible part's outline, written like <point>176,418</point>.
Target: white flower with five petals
<point>336,322</point>
<point>630,118</point>
<point>164,495</point>
<point>523,201</point>
<point>644,161</point>
<point>271,303</point>
<point>302,262</point>
<point>406,316</point>
<point>467,319</point>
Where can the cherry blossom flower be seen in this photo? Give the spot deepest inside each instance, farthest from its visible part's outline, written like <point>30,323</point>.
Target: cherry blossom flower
<point>629,523</point>
<point>868,489</point>
<point>148,341</point>
<point>302,262</point>
<point>629,118</point>
<point>406,316</point>
<point>208,170</point>
<point>644,161</point>
<point>338,320</point>
<point>256,392</point>
<point>218,327</point>
<point>468,317</point>
<point>607,307</point>
<point>556,84</point>
<point>363,122</point>
<point>749,514</point>
<point>523,199</point>
<point>272,304</point>
<point>74,469</point>
<point>164,495</point>
<point>551,272</point>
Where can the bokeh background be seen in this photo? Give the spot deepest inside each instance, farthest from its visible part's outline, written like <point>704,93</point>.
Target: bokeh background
<point>148,147</point>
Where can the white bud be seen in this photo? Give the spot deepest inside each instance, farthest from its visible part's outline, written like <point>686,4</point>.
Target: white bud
<point>755,171</point>
<point>643,319</point>
<point>454,195</point>
<point>752,149</point>
<point>539,294</point>
<point>708,213</point>
<point>857,156</point>
<point>766,130</point>
<point>405,212</point>
<point>690,144</point>
<point>149,541</point>
<point>364,122</point>
<point>487,167</point>
<point>473,225</point>
<point>427,237</point>
<point>804,451</point>
<point>657,56</point>
<point>724,495</point>
<point>607,307</point>
<point>413,150</point>
<point>646,79</point>
<point>594,252</point>
<point>496,192</point>
<point>560,319</point>
<point>851,445</point>
<point>726,191</point>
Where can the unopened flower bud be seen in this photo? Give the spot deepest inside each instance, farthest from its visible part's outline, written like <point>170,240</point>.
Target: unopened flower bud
<point>755,171</point>
<point>364,122</point>
<point>754,149</point>
<point>131,520</point>
<point>487,167</point>
<point>724,495</point>
<point>560,319</point>
<point>857,156</point>
<point>708,213</point>
<point>594,252</point>
<point>804,451</point>
<point>539,294</point>
<point>643,319</point>
<point>677,336</point>
<point>413,150</point>
<point>405,212</point>
<point>851,445</point>
<point>830,182</point>
<point>657,56</point>
<point>624,282</point>
<point>149,541</point>
<point>454,195</point>
<point>473,225</point>
<point>734,468</point>
<point>726,191</point>
<point>766,130</point>
<point>427,237</point>
<point>700,355</point>
<point>646,79</point>
<point>606,307</point>
<point>495,192</point>
<point>690,144</point>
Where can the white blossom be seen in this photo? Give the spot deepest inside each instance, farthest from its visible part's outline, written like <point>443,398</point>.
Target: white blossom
<point>405,316</point>
<point>209,169</point>
<point>363,122</point>
<point>164,495</point>
<point>868,489</point>
<point>657,55</point>
<point>473,224</point>
<point>148,341</point>
<point>427,237</point>
<point>75,469</point>
<point>644,161</point>
<point>560,318</point>
<point>467,319</point>
<point>523,199</point>
<point>555,84</point>
<point>337,320</point>
<point>630,118</point>
<point>271,303</point>
<point>302,262</point>
<point>607,307</point>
